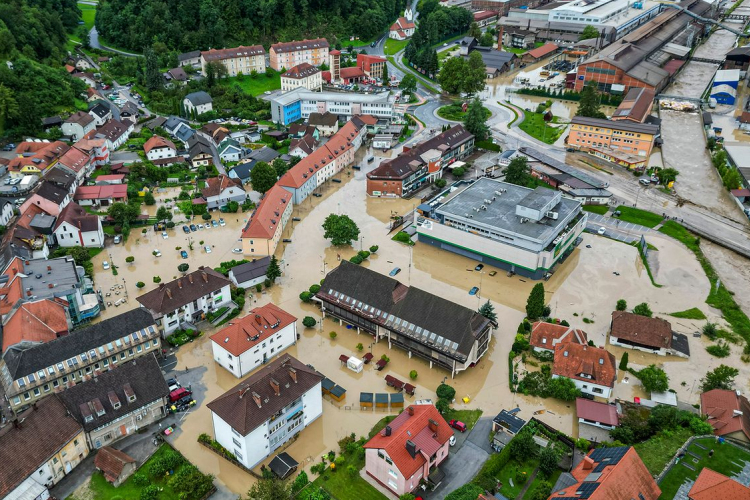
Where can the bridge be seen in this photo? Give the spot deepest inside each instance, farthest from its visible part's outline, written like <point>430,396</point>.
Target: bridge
<point>710,61</point>
<point>679,98</point>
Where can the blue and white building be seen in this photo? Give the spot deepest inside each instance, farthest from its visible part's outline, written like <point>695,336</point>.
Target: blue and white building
<point>300,103</point>
<point>724,88</point>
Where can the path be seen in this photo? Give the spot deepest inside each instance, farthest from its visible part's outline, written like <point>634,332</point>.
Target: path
<point>529,482</point>
<point>462,466</point>
<point>94,42</point>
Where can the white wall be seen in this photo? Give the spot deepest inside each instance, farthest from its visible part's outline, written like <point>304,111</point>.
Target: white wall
<point>312,402</point>
<point>616,341</point>
<point>159,153</point>
<point>69,236</point>
<point>187,314</point>
<point>588,387</point>
<point>251,359</point>
<point>251,449</point>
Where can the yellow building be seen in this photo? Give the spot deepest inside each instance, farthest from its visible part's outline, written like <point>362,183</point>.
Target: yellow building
<point>263,232</point>
<point>238,60</point>
<point>622,142</point>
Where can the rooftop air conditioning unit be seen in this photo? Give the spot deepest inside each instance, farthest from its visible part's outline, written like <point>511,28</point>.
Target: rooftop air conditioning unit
<point>552,215</point>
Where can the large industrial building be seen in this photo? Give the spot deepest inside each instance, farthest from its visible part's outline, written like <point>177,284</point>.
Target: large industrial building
<point>300,102</point>
<point>526,231</point>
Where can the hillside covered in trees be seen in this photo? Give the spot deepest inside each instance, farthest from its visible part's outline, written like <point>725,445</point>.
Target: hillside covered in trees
<point>36,29</point>
<point>199,24</point>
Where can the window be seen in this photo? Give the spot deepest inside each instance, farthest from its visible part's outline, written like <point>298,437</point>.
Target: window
<point>388,461</point>
<point>51,370</point>
<point>392,484</point>
<point>380,454</point>
<point>37,392</point>
<point>46,387</point>
<point>393,473</point>
<point>238,455</point>
<point>236,442</point>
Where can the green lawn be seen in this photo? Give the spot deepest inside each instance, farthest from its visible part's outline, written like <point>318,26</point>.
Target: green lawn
<point>469,417</point>
<point>660,449</point>
<point>88,13</point>
<point>538,480</point>
<point>442,56</point>
<point>345,42</point>
<point>455,112</point>
<point>514,50</point>
<point>638,216</point>
<point>534,125</point>
<point>393,46</point>
<point>725,460</point>
<point>509,473</point>
<point>258,85</point>
<point>693,313</point>
<point>596,209</point>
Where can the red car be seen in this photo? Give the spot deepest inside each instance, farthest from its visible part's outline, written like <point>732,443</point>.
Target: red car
<point>178,394</point>
<point>458,425</point>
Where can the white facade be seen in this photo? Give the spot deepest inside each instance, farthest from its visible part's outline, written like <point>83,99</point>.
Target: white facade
<point>311,82</point>
<point>257,354</point>
<point>249,283</point>
<point>76,131</point>
<point>199,109</point>
<point>595,424</point>
<point>30,489</point>
<point>655,350</point>
<point>161,152</point>
<point>265,439</point>
<point>589,387</point>
<point>6,213</point>
<point>230,153</point>
<point>216,300</point>
<point>232,193</point>
<point>68,235</point>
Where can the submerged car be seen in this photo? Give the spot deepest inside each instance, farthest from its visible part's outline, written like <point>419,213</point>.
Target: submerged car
<point>183,254</point>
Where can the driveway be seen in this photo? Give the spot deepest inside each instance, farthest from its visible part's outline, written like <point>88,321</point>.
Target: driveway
<point>124,157</point>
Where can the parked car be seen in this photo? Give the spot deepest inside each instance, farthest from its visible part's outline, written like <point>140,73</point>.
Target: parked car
<point>222,223</point>
<point>164,235</point>
<point>645,181</point>
<point>9,147</point>
<point>452,440</point>
<point>178,394</point>
<point>185,229</point>
<point>105,265</point>
<point>207,248</point>
<point>157,253</point>
<point>601,231</point>
<point>183,254</point>
<point>214,223</point>
<point>193,228</point>
<point>458,425</point>
<point>474,290</point>
<point>236,250</point>
<point>118,239</point>
<point>173,384</point>
<point>479,267</point>
<point>394,271</point>
<point>200,226</point>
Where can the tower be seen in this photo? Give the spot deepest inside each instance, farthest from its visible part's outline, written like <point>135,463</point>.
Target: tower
<point>408,14</point>
<point>334,58</point>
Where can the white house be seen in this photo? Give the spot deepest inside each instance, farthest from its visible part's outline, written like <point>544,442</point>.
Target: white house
<point>160,151</point>
<point>221,190</point>
<point>302,75</point>
<point>76,227</point>
<point>592,369</point>
<point>382,141</point>
<point>250,274</point>
<point>252,341</point>
<point>78,125</point>
<point>283,398</point>
<point>6,211</point>
<point>198,102</point>
<point>230,150</point>
<point>115,132</point>
<point>186,299</point>
<point>101,113</point>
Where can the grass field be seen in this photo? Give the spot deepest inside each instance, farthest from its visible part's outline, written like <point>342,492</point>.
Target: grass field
<point>88,13</point>
<point>455,112</point>
<point>534,125</point>
<point>693,313</point>
<point>725,460</point>
<point>256,86</point>
<point>538,480</point>
<point>596,209</point>
<point>469,417</point>
<point>393,46</point>
<point>660,449</point>
<point>638,216</point>
<point>509,475</point>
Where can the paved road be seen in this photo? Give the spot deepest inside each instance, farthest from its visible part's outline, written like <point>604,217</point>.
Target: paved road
<point>459,469</point>
<point>124,157</point>
<point>94,42</point>
<point>627,232</point>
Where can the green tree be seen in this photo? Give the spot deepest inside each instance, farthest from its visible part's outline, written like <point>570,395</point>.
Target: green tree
<point>654,379</point>
<point>468,491</point>
<point>280,166</point>
<point>475,30</point>
<point>149,199</point>
<point>667,175</point>
<point>720,378</point>
<point>535,302</point>
<point>487,39</point>
<point>459,172</point>
<point>476,74</point>
<point>8,106</point>
<point>445,391</point>
<point>563,388</point>
<point>475,121</point>
<point>309,321</point>
<point>340,229</point>
<point>154,79</point>
<point>643,309</point>
<point>263,177</point>
<point>518,172</point>
<point>523,447</point>
<point>163,214</point>
<point>183,267</point>
<point>123,213</point>
<point>443,405</point>
<point>409,83</point>
<point>488,311</point>
<point>385,77</point>
<point>548,458</point>
<point>624,361</point>
<point>451,76</point>
<point>622,305</point>
<point>273,270</point>
<point>589,103</point>
<point>270,488</point>
<point>588,33</point>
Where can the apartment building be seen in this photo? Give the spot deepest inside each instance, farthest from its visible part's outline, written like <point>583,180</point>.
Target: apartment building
<point>267,410</point>
<point>238,60</point>
<point>299,103</point>
<point>263,231</point>
<point>289,54</point>
<point>623,142</point>
<point>303,75</point>
<point>32,371</point>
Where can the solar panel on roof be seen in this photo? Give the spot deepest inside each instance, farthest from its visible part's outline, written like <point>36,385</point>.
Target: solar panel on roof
<point>586,489</point>
<point>607,456</point>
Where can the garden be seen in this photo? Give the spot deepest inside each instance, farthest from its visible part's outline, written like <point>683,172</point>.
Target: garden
<point>638,216</point>
<point>456,113</point>
<point>535,124</point>
<point>180,337</point>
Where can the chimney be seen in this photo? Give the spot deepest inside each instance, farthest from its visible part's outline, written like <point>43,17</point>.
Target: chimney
<point>500,38</point>
<point>387,430</point>
<point>588,463</point>
<point>256,398</point>
<point>205,276</point>
<point>433,425</point>
<point>411,448</point>
<point>258,319</point>
<point>736,413</point>
<point>275,386</point>
<point>190,278</point>
<point>410,411</point>
<point>179,284</point>
<point>293,374</point>
<point>169,293</point>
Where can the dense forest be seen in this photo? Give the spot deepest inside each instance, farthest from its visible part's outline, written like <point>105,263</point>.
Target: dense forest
<point>437,23</point>
<point>199,24</point>
<point>36,29</point>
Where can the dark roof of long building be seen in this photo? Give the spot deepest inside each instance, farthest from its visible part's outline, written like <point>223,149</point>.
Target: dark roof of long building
<point>52,192</point>
<point>170,296</point>
<point>253,401</point>
<point>141,377</point>
<point>24,359</point>
<point>251,270</point>
<point>318,43</point>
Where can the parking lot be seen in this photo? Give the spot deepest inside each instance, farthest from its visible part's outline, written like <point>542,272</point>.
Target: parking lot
<point>626,232</point>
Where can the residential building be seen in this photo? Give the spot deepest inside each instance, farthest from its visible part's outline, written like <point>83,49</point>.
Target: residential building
<point>596,414</point>
<point>325,123</point>
<point>641,333</point>
<point>372,66</point>
<point>221,190</point>
<point>635,106</point>
<point>115,132</point>
<point>607,474</point>
<point>76,227</point>
<point>425,325</point>
<point>421,164</point>
<point>101,113</point>
<point>410,446</point>
<point>290,54</point>
<point>161,151</point>
<point>546,336</point>
<point>101,195</point>
<point>176,75</point>
<point>250,274</point>
<point>728,412</point>
<point>622,142</point>
<point>37,159</point>
<point>592,369</point>
<point>505,426</point>
<point>116,466</point>
<point>36,321</point>
<point>215,133</point>
<point>96,149</point>
<point>242,170</point>
<point>401,29</point>
<point>518,38</point>
<point>78,124</point>
<point>304,146</point>
<point>42,446</point>
<point>525,231</point>
<point>230,150</point>
<point>485,18</point>
<point>7,211</point>
<point>238,60</point>
<point>299,103</point>
<point>197,103</point>
<point>710,485</point>
<point>186,299</point>
<point>192,58</point>
<point>263,231</point>
<point>28,237</point>
<point>77,162</point>
<point>61,178</point>
<point>50,198</point>
<point>247,343</point>
<point>32,371</point>
<point>266,410</point>
<point>118,403</point>
<point>302,75</point>
<point>129,112</point>
<point>199,151</point>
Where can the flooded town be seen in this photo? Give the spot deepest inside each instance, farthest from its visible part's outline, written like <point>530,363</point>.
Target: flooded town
<point>425,250</point>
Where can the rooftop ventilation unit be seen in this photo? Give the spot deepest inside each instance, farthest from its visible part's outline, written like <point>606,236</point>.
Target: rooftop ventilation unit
<point>552,215</point>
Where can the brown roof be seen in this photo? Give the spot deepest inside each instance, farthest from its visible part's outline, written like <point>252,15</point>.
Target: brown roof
<point>413,424</point>
<point>327,119</point>
<point>111,462</point>
<point>76,216</point>
<point>158,142</point>
<point>548,335</point>
<point>170,296</point>
<point>75,159</point>
<point>597,412</point>
<point>113,129</point>
<point>241,51</point>
<point>352,72</point>
<point>636,105</point>
<point>254,400</point>
<point>542,51</point>
<point>215,185</point>
<point>39,321</point>
<point>306,143</point>
<point>652,332</point>
<point>727,412</point>
<point>260,323</point>
<point>301,71</point>
<point>318,43</point>
<point>178,74</point>
<point>611,474</point>
<point>576,360</point>
<point>43,431</point>
<point>267,216</point>
<point>710,485</point>
<point>402,24</point>
<point>81,118</point>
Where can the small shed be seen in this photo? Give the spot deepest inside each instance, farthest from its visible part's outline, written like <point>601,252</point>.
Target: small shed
<point>397,400</point>
<point>409,389</point>
<point>381,400</point>
<point>283,465</point>
<point>344,359</point>
<point>327,385</point>
<point>338,393</point>
<point>355,364</point>
<point>116,465</point>
<point>365,400</point>
<point>367,357</point>
<point>382,141</point>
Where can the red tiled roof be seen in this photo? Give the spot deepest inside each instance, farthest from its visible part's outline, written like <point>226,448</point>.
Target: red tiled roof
<point>481,15</point>
<point>598,412</point>
<point>267,217</point>
<point>39,321</point>
<point>412,427</point>
<point>365,61</point>
<point>402,24</point>
<point>352,72</point>
<point>75,159</point>
<point>726,411</point>
<point>301,71</point>
<point>260,323</point>
<point>111,462</point>
<point>101,192</point>
<point>158,142</point>
<point>574,360</point>
<point>317,43</point>
<point>652,332</point>
<point>42,158</point>
<point>215,185</point>
<point>12,291</point>
<point>710,485</point>
<point>542,51</point>
<point>548,335</point>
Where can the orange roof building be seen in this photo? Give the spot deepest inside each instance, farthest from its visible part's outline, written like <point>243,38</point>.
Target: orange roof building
<point>116,465</point>
<point>39,321</point>
<point>592,369</point>
<point>263,231</point>
<point>710,485</point>
<point>545,336</point>
<point>728,413</point>
<point>249,342</point>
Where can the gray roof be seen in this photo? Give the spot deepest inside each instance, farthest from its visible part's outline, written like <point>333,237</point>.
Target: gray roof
<point>193,54</point>
<point>265,154</point>
<point>59,177</point>
<point>494,59</point>
<point>168,297</point>
<point>565,480</point>
<point>501,213</point>
<point>509,421</point>
<point>626,125</point>
<point>52,192</point>
<point>561,166</point>
<point>23,359</point>
<point>172,123</point>
<point>251,270</point>
<point>100,110</point>
<point>242,170</point>
<point>62,272</point>
<point>198,98</point>
<point>142,376</point>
